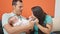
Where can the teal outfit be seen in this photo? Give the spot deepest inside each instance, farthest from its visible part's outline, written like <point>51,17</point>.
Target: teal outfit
<point>48,20</point>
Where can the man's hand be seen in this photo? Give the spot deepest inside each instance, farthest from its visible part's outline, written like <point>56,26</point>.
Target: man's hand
<point>31,24</point>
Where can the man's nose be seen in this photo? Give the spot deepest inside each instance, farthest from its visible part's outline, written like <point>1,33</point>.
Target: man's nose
<point>21,8</point>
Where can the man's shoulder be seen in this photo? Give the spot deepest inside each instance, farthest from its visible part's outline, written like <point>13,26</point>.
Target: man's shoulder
<point>7,15</point>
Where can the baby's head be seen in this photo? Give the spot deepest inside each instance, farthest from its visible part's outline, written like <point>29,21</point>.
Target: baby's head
<point>13,20</point>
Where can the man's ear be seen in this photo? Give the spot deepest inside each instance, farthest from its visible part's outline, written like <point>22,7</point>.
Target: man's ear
<point>13,6</point>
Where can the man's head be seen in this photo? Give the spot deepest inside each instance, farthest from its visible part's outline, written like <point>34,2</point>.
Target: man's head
<point>17,6</point>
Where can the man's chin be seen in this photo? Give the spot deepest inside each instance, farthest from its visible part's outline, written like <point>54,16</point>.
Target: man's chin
<point>18,14</point>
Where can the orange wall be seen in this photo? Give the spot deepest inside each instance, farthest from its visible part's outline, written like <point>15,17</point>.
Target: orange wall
<point>47,5</point>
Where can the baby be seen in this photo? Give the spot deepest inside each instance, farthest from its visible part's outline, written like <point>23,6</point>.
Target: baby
<point>15,21</point>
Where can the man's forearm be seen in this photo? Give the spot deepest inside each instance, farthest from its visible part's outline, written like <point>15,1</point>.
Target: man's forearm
<point>11,29</point>
<point>14,29</point>
<point>23,28</point>
<point>20,28</point>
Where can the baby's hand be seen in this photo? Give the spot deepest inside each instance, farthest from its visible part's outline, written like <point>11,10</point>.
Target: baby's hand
<point>32,18</point>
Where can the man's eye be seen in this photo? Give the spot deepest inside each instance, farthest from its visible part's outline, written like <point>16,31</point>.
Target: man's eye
<point>20,6</point>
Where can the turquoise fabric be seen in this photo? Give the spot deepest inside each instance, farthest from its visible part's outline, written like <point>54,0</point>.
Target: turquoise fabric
<point>36,29</point>
<point>48,20</point>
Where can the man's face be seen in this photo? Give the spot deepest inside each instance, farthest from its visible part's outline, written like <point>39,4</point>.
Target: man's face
<point>18,8</point>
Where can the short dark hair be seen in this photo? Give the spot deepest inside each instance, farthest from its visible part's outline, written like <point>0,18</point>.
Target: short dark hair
<point>14,2</point>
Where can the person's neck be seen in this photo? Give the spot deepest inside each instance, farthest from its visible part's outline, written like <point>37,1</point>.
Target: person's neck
<point>15,13</point>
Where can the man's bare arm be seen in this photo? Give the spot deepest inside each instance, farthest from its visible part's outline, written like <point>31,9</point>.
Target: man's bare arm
<point>12,30</point>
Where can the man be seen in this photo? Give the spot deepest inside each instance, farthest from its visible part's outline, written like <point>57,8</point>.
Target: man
<point>17,10</point>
